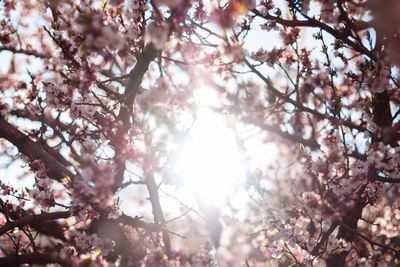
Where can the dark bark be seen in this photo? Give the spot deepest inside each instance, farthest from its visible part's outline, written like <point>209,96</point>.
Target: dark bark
<point>41,222</point>
<point>33,150</point>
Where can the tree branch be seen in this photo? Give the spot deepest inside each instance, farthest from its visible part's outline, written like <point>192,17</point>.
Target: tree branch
<point>299,106</point>
<point>23,51</point>
<point>379,178</point>
<point>313,23</point>
<point>33,150</point>
<point>34,219</point>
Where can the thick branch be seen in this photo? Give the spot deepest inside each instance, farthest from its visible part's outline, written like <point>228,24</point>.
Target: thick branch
<point>135,79</point>
<point>31,219</point>
<point>45,227</point>
<point>157,210</point>
<point>54,124</point>
<point>136,75</point>
<point>33,150</point>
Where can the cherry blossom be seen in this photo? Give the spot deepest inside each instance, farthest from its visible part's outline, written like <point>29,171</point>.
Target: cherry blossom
<point>101,100</point>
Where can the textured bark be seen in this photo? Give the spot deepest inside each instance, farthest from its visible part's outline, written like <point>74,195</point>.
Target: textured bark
<point>33,150</point>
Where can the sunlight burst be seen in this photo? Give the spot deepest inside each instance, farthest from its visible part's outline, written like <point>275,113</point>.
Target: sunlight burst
<point>210,164</point>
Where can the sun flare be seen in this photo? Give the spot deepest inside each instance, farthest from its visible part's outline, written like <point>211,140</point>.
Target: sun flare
<point>210,163</point>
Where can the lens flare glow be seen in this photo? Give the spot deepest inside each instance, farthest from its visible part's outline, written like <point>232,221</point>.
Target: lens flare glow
<point>210,162</point>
